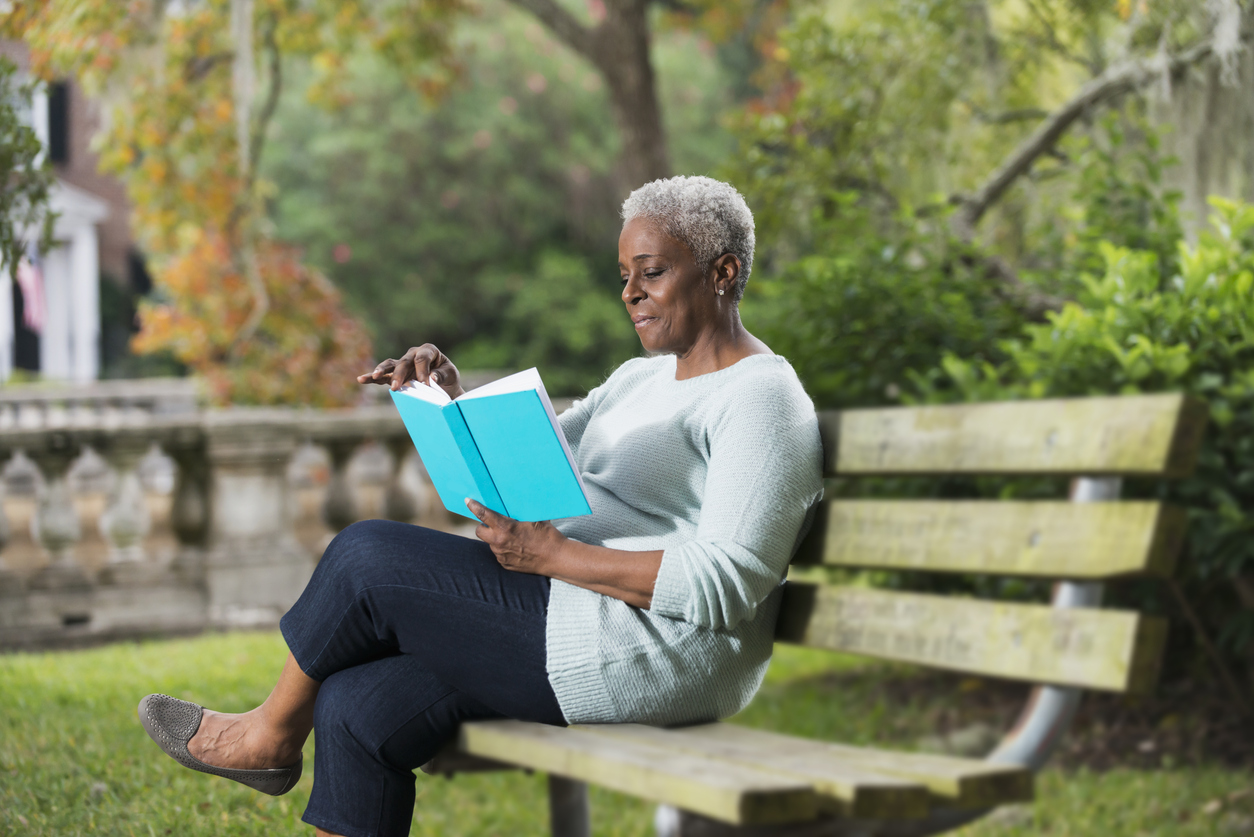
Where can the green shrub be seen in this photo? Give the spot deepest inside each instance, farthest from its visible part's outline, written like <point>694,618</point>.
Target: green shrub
<point>1131,330</point>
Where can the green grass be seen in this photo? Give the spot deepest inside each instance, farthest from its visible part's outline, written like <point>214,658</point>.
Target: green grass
<point>74,759</point>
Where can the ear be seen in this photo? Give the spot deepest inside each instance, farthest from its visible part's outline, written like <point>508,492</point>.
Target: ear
<point>726,270</point>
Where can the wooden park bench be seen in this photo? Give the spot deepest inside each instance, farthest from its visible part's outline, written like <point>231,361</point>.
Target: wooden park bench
<point>726,779</point>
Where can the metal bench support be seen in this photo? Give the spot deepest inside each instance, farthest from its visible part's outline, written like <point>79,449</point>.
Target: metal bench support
<point>568,808</point>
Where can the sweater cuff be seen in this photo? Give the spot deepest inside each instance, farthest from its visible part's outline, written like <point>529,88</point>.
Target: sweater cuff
<point>671,593</point>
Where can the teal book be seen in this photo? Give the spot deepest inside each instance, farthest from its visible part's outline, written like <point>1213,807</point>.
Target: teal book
<point>499,444</point>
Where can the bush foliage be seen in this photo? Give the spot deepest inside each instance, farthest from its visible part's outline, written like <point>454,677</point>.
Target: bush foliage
<point>1131,330</point>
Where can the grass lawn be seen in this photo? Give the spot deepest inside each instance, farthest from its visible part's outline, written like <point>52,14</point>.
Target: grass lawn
<point>74,759</point>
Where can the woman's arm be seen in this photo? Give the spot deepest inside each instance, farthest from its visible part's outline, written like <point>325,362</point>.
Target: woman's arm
<point>540,549</point>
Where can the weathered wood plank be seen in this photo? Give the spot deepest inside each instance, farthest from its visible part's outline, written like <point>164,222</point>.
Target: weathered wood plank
<point>1047,539</point>
<point>728,792</point>
<point>450,761</point>
<point>961,783</point>
<point>846,789</point>
<point>1086,647</point>
<point>1132,435</point>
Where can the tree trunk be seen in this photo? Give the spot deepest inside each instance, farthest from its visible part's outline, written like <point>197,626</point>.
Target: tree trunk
<point>618,46</point>
<point>624,60</point>
<point>1207,126</point>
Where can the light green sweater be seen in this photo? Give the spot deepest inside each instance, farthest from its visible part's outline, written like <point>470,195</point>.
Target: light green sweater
<point>720,471</point>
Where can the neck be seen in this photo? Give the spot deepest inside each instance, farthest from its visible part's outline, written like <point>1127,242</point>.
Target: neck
<point>718,347</point>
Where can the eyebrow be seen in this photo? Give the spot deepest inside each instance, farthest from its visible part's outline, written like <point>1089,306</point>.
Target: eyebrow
<point>643,256</point>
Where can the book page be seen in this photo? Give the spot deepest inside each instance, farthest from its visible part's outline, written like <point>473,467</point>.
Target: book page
<point>518,382</point>
<point>427,392</point>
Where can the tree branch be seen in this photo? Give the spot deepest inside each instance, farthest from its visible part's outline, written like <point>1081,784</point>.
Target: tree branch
<point>562,24</point>
<point>1052,41</point>
<point>1031,300</point>
<point>1116,80</point>
<point>247,253</point>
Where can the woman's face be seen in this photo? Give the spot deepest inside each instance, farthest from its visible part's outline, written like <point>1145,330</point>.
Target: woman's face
<point>670,300</point>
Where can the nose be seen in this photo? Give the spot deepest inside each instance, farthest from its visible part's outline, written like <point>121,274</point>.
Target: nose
<point>632,292</point>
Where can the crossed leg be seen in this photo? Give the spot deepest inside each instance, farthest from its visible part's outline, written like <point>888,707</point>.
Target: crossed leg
<point>402,634</point>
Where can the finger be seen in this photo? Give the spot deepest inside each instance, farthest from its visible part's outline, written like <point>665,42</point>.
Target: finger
<point>423,364</point>
<point>482,532</point>
<point>379,372</point>
<point>402,373</point>
<point>485,514</point>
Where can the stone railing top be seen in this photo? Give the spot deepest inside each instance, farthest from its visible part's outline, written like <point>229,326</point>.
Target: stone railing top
<point>39,418</point>
<point>158,395</point>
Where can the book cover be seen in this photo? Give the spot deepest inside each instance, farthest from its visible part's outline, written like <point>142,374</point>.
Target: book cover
<point>500,444</point>
<point>448,452</point>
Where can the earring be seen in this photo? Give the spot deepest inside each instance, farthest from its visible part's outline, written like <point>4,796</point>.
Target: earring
<point>720,291</point>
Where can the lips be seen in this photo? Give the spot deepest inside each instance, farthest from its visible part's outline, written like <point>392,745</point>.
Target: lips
<point>642,320</point>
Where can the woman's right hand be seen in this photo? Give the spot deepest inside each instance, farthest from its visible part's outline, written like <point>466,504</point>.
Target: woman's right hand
<point>421,363</point>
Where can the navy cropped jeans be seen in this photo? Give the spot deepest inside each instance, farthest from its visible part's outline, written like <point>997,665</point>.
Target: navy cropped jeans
<point>410,631</point>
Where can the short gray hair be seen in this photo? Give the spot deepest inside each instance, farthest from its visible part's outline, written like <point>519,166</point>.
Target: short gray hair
<point>707,215</point>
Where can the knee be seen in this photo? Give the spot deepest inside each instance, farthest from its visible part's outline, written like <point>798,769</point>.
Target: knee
<point>332,708</point>
<point>354,545</point>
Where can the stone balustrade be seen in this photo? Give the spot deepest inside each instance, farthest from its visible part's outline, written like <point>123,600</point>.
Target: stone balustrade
<point>129,510</point>
<point>230,543</point>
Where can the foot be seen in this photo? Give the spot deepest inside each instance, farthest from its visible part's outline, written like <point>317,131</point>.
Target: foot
<point>243,742</point>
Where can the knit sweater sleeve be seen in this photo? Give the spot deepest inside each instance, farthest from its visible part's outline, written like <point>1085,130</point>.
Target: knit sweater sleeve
<point>764,474</point>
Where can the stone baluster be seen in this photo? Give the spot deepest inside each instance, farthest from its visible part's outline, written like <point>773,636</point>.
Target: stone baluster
<point>60,593</point>
<point>55,525</point>
<point>398,502</point>
<point>6,530</point>
<point>339,509</point>
<point>190,512</point>
<point>254,566</point>
<point>9,583</point>
<point>125,521</point>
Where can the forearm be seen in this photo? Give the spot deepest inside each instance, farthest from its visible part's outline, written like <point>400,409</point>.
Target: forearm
<point>619,573</point>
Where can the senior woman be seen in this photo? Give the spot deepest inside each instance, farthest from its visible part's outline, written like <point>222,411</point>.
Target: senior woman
<point>702,466</point>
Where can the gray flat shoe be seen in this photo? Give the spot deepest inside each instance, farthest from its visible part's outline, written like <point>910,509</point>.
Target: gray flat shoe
<point>172,723</point>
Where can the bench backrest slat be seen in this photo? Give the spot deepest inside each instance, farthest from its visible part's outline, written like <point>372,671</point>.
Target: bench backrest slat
<point>1051,539</point>
<point>1084,647</point>
<point>1126,435</point>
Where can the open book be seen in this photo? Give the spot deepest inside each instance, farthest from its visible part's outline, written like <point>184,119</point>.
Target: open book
<point>499,444</point>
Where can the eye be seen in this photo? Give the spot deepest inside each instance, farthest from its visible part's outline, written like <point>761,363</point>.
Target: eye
<point>653,274</point>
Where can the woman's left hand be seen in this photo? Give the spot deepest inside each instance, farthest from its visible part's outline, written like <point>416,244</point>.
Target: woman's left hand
<point>520,547</point>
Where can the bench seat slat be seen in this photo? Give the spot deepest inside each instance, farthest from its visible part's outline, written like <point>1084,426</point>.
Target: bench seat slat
<point>961,783</point>
<point>1151,435</point>
<point>1085,647</point>
<point>731,793</point>
<point>1050,539</point>
<point>850,789</point>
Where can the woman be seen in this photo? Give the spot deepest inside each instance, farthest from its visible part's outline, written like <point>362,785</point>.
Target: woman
<point>702,465</point>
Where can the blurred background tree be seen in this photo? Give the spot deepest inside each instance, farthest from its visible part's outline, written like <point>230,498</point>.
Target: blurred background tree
<point>24,171</point>
<point>191,118</point>
<point>944,151</point>
<point>188,125</point>
<point>450,220</point>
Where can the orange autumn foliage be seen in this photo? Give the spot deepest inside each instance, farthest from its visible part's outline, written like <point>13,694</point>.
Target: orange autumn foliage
<point>308,350</point>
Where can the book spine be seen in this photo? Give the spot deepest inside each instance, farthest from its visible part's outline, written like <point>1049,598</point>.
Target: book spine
<point>488,494</point>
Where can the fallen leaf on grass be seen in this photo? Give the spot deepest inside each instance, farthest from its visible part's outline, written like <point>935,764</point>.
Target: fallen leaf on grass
<point>1212,807</point>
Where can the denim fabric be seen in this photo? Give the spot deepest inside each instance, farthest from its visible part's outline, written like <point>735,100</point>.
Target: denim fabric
<point>411,631</point>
